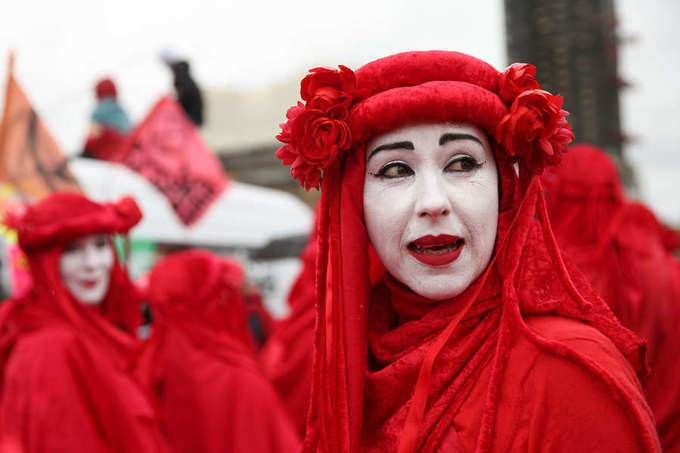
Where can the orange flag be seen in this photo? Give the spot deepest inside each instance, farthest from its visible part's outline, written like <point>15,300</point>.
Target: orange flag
<point>30,159</point>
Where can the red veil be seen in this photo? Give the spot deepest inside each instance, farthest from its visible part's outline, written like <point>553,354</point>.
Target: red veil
<point>66,374</point>
<point>455,377</point>
<point>625,253</point>
<point>199,362</point>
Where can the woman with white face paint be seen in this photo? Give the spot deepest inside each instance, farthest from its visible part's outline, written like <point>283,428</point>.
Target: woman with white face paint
<point>447,318</point>
<point>85,267</point>
<point>69,343</point>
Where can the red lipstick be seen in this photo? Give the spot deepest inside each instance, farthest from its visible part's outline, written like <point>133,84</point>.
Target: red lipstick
<point>88,283</point>
<point>436,250</point>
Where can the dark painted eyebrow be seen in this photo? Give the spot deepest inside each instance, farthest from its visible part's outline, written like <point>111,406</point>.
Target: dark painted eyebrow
<point>397,145</point>
<point>450,137</point>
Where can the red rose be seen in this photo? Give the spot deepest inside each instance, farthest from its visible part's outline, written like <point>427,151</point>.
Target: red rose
<point>291,114</point>
<point>535,129</point>
<point>317,132</point>
<point>517,78</point>
<point>329,84</point>
<point>318,137</point>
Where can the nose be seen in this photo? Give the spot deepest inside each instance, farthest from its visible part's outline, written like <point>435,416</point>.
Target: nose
<point>91,256</point>
<point>432,201</point>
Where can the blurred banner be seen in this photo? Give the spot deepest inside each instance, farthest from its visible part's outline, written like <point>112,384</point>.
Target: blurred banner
<point>167,149</point>
<point>30,159</point>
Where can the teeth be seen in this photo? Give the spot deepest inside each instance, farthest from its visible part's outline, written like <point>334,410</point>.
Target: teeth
<point>436,249</point>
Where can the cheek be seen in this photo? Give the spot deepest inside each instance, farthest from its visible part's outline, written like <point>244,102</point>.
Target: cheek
<point>386,215</point>
<point>68,265</point>
<point>481,217</point>
<point>107,258</point>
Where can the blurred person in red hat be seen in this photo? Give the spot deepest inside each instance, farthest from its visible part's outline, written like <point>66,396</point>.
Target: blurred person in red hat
<point>69,343</point>
<point>110,124</point>
<point>626,253</point>
<point>446,316</point>
<point>199,362</point>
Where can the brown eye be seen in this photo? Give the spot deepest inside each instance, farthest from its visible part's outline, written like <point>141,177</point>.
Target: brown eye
<point>101,241</point>
<point>462,164</point>
<point>395,170</point>
<point>71,247</point>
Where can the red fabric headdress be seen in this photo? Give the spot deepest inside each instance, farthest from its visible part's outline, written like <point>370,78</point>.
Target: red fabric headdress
<point>43,231</point>
<point>324,142</point>
<point>200,291</point>
<point>65,216</point>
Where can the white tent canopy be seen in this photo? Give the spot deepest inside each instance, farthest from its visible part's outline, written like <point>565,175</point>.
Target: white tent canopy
<point>244,215</point>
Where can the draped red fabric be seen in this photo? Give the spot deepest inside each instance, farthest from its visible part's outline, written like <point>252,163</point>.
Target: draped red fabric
<point>67,368</point>
<point>523,360</point>
<point>199,362</point>
<point>624,251</point>
<point>109,145</point>
<point>288,354</point>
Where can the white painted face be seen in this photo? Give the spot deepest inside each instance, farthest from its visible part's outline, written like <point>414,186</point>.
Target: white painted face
<point>85,268</point>
<point>431,205</point>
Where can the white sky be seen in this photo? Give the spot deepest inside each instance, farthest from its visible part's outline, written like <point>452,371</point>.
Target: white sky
<point>63,47</point>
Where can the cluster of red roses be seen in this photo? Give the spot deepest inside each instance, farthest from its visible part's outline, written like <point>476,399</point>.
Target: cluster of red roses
<point>535,130</point>
<point>317,132</point>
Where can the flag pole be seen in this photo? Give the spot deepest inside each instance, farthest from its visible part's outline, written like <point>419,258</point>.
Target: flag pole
<point>5,110</point>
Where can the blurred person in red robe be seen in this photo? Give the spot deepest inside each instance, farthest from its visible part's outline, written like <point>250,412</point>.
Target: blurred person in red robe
<point>447,319</point>
<point>69,343</point>
<point>287,356</point>
<point>200,365</point>
<point>110,124</point>
<point>626,254</point>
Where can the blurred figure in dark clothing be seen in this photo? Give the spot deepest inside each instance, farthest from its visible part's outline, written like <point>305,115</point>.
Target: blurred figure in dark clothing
<point>186,89</point>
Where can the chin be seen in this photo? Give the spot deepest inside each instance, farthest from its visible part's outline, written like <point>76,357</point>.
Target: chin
<point>92,296</point>
<point>444,292</point>
<point>438,288</point>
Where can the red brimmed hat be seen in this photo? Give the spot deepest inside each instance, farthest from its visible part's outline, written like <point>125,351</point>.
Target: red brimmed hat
<point>64,216</point>
<point>343,109</point>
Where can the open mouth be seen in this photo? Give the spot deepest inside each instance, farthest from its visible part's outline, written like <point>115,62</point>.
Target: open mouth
<point>436,250</point>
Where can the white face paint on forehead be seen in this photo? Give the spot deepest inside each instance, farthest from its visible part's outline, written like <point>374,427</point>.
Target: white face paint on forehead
<point>431,205</point>
<point>85,267</point>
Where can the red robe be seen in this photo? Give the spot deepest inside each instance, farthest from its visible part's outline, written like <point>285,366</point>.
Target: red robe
<point>625,253</point>
<point>199,362</point>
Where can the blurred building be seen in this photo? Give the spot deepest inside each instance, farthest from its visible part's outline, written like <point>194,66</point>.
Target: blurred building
<point>241,127</point>
<point>573,44</point>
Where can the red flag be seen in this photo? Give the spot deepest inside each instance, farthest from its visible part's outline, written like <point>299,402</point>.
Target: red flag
<point>30,159</point>
<point>167,150</point>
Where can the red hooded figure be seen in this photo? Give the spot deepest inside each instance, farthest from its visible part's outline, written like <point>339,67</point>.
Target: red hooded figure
<point>625,253</point>
<point>200,365</point>
<point>447,319</point>
<point>68,344</point>
<point>288,354</point>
